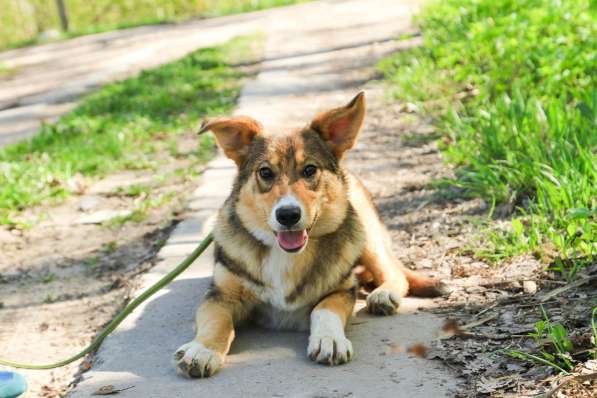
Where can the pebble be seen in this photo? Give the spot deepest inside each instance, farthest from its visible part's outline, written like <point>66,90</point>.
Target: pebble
<point>88,203</point>
<point>529,287</point>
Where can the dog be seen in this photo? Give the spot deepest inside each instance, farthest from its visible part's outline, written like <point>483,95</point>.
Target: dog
<point>289,238</point>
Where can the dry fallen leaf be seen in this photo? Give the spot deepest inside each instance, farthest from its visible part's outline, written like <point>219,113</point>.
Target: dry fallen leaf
<point>86,365</point>
<point>420,350</point>
<point>451,328</point>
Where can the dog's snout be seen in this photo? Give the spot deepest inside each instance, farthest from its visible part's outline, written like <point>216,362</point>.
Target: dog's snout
<point>288,215</point>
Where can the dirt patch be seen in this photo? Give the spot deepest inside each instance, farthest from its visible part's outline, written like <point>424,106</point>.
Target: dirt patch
<point>67,274</point>
<point>398,159</point>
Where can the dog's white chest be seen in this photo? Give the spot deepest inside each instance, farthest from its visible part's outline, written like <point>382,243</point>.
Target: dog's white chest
<point>275,272</point>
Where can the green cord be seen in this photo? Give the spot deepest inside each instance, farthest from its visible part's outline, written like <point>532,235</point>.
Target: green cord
<point>124,313</point>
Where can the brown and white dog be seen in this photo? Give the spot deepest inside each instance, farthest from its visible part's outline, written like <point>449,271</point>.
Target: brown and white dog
<point>288,239</point>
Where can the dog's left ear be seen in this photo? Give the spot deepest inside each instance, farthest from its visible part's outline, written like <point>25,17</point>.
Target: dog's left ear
<point>234,135</point>
<point>340,127</point>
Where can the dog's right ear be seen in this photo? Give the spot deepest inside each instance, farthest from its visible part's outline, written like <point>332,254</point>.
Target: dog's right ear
<point>233,135</point>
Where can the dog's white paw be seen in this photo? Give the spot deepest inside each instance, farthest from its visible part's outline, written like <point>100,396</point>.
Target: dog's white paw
<point>329,350</point>
<point>195,360</point>
<point>383,302</point>
<point>327,343</point>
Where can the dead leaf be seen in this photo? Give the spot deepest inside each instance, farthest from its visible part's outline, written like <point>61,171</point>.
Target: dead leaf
<point>86,365</point>
<point>451,328</point>
<point>420,350</point>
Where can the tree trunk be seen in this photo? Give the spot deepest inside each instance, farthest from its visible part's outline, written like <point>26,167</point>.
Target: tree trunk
<point>63,14</point>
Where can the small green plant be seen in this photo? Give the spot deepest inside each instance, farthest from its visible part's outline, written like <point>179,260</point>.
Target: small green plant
<point>557,335</point>
<point>134,190</point>
<point>594,327</point>
<point>110,247</point>
<point>48,278</point>
<point>91,263</point>
<point>141,211</point>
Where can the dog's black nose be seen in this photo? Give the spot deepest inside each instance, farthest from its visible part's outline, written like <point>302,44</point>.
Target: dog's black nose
<point>288,215</point>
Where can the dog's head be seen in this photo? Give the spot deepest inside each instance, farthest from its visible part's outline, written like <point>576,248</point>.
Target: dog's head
<point>290,186</point>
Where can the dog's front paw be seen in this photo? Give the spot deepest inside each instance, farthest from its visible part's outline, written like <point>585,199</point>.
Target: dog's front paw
<point>329,350</point>
<point>195,360</point>
<point>383,302</point>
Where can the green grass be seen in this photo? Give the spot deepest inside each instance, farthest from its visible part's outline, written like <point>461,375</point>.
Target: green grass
<point>21,24</point>
<point>512,88</point>
<point>122,126</point>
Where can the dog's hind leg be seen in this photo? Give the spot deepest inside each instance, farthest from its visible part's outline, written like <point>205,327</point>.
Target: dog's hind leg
<point>390,283</point>
<point>226,303</point>
<point>392,280</point>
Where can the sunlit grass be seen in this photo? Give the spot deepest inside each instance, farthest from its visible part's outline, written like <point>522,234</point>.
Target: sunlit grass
<point>512,87</point>
<point>119,127</point>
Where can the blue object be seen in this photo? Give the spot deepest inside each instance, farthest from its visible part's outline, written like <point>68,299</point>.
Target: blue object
<point>11,384</point>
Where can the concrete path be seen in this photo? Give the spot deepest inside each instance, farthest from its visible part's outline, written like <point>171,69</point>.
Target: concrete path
<point>315,58</point>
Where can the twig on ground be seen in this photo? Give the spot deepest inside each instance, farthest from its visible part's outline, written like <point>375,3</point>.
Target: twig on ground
<point>567,379</point>
<point>572,285</point>
<point>481,321</point>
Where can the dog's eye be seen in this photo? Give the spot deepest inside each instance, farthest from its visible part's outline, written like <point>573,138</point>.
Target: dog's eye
<point>266,173</point>
<point>309,171</point>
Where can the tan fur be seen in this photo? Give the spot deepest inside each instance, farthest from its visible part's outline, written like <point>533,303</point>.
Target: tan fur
<point>255,278</point>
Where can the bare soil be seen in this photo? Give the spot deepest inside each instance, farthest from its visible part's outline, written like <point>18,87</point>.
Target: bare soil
<point>63,278</point>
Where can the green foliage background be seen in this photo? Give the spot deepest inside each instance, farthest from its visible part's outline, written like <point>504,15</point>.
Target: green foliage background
<point>21,21</point>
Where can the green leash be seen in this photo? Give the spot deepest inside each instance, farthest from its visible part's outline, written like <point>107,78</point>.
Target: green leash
<point>124,313</point>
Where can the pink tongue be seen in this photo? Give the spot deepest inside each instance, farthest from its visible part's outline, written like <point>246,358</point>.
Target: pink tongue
<point>291,240</point>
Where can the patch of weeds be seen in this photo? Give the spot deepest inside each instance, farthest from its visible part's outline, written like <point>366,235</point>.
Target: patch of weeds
<point>50,298</point>
<point>134,190</point>
<point>117,127</point>
<point>110,247</point>
<point>556,348</point>
<point>6,71</point>
<point>416,140</point>
<point>48,278</point>
<point>594,328</point>
<point>91,263</point>
<point>556,334</point>
<point>140,213</point>
<point>511,86</point>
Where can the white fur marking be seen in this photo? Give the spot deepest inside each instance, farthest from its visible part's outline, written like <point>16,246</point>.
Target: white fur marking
<point>326,323</point>
<point>264,236</point>
<point>275,270</point>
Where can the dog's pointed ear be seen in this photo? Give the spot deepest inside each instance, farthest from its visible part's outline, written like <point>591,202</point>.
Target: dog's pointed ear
<point>233,135</point>
<point>340,127</point>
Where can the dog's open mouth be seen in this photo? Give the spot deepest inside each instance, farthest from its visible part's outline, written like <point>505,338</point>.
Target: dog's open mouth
<point>292,241</point>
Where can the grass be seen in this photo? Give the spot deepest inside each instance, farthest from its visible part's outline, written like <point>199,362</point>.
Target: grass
<point>511,86</point>
<point>122,126</point>
<point>21,27</point>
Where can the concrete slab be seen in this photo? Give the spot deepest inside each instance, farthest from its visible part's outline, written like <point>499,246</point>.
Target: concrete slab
<point>314,59</point>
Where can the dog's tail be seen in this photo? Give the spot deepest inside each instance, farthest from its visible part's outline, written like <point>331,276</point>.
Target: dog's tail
<point>423,286</point>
